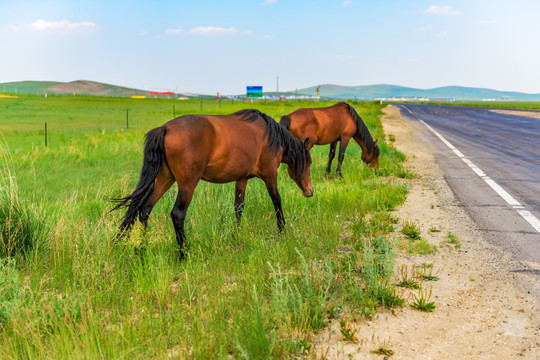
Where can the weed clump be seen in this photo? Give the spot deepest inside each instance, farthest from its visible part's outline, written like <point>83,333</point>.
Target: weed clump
<point>411,230</point>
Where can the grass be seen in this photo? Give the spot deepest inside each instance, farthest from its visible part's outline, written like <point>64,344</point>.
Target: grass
<point>428,276</point>
<point>242,292</point>
<point>422,303</point>
<point>21,228</point>
<point>454,240</point>
<point>348,331</point>
<point>410,230</point>
<point>384,349</point>
<point>416,244</point>
<point>406,280</point>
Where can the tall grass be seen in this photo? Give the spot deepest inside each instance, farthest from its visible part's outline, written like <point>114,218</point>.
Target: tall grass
<point>243,292</point>
<point>21,228</point>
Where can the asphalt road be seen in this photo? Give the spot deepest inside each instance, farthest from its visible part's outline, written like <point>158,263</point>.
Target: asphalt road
<point>504,149</point>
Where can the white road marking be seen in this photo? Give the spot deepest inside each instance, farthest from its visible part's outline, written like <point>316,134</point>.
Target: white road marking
<point>533,220</point>
<point>502,193</point>
<point>527,215</point>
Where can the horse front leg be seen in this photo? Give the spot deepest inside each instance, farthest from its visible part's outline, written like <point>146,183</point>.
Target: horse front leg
<point>239,193</point>
<point>271,186</point>
<point>342,147</point>
<point>331,156</point>
<point>178,216</point>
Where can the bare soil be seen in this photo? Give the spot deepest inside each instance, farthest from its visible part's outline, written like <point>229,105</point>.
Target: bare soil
<point>481,312</point>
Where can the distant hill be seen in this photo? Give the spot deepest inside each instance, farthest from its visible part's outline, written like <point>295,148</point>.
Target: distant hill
<point>27,87</point>
<point>369,92</point>
<point>85,87</point>
<point>79,87</point>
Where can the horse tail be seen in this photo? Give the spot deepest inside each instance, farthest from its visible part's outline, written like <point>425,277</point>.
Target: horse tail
<point>154,158</point>
<point>361,128</point>
<point>285,121</point>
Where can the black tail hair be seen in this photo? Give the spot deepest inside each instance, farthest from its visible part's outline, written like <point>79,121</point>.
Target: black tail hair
<point>154,158</point>
<point>361,128</point>
<point>285,121</point>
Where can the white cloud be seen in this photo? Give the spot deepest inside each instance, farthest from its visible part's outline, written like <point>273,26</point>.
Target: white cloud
<point>174,31</point>
<point>426,28</point>
<point>443,33</point>
<point>445,10</point>
<point>43,25</point>
<point>347,2</point>
<point>486,22</point>
<point>270,1</point>
<point>212,30</point>
<point>268,36</point>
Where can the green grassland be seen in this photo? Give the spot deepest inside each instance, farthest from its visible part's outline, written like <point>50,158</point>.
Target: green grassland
<point>243,292</point>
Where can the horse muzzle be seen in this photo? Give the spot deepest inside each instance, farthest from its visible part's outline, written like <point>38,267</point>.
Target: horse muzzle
<point>308,192</point>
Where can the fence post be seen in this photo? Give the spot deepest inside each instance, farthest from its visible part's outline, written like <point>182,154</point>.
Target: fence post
<point>45,134</point>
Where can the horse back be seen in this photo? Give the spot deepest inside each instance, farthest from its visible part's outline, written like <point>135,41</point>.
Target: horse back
<point>326,124</point>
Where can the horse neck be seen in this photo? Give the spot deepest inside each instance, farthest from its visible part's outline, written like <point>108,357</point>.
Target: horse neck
<point>363,143</point>
<point>291,148</point>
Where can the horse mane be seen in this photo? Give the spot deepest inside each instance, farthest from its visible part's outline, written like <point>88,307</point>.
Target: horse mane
<point>279,137</point>
<point>362,130</point>
<point>285,121</point>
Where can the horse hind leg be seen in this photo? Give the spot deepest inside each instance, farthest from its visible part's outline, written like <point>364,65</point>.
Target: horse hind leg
<point>331,156</point>
<point>162,183</point>
<point>178,215</point>
<point>240,191</point>
<point>342,147</point>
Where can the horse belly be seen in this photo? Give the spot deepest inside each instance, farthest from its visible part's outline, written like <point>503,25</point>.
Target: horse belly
<point>218,174</point>
<point>233,166</point>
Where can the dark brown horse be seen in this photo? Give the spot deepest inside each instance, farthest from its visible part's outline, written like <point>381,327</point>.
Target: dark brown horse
<point>217,149</point>
<point>328,125</point>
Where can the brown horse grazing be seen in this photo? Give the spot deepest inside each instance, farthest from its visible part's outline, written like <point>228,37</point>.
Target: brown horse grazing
<point>328,125</point>
<point>218,149</point>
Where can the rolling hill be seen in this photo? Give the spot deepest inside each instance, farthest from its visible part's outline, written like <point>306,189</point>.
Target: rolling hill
<point>27,87</point>
<point>79,87</point>
<point>369,92</point>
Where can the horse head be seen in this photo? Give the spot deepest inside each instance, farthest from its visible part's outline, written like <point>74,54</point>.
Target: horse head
<point>299,167</point>
<point>372,158</point>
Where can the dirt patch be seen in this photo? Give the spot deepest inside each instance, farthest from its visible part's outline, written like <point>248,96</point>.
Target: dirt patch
<point>480,312</point>
<point>531,114</point>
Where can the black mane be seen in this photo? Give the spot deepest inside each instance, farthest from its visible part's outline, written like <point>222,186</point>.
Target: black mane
<point>362,130</point>
<point>279,137</point>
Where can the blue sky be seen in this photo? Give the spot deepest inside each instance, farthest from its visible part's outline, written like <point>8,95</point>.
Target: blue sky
<point>209,46</point>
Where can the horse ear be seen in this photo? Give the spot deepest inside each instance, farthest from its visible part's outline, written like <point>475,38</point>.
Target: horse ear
<point>306,143</point>
<point>375,142</point>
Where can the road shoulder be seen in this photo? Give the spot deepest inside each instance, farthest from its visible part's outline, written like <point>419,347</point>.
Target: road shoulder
<point>480,311</point>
